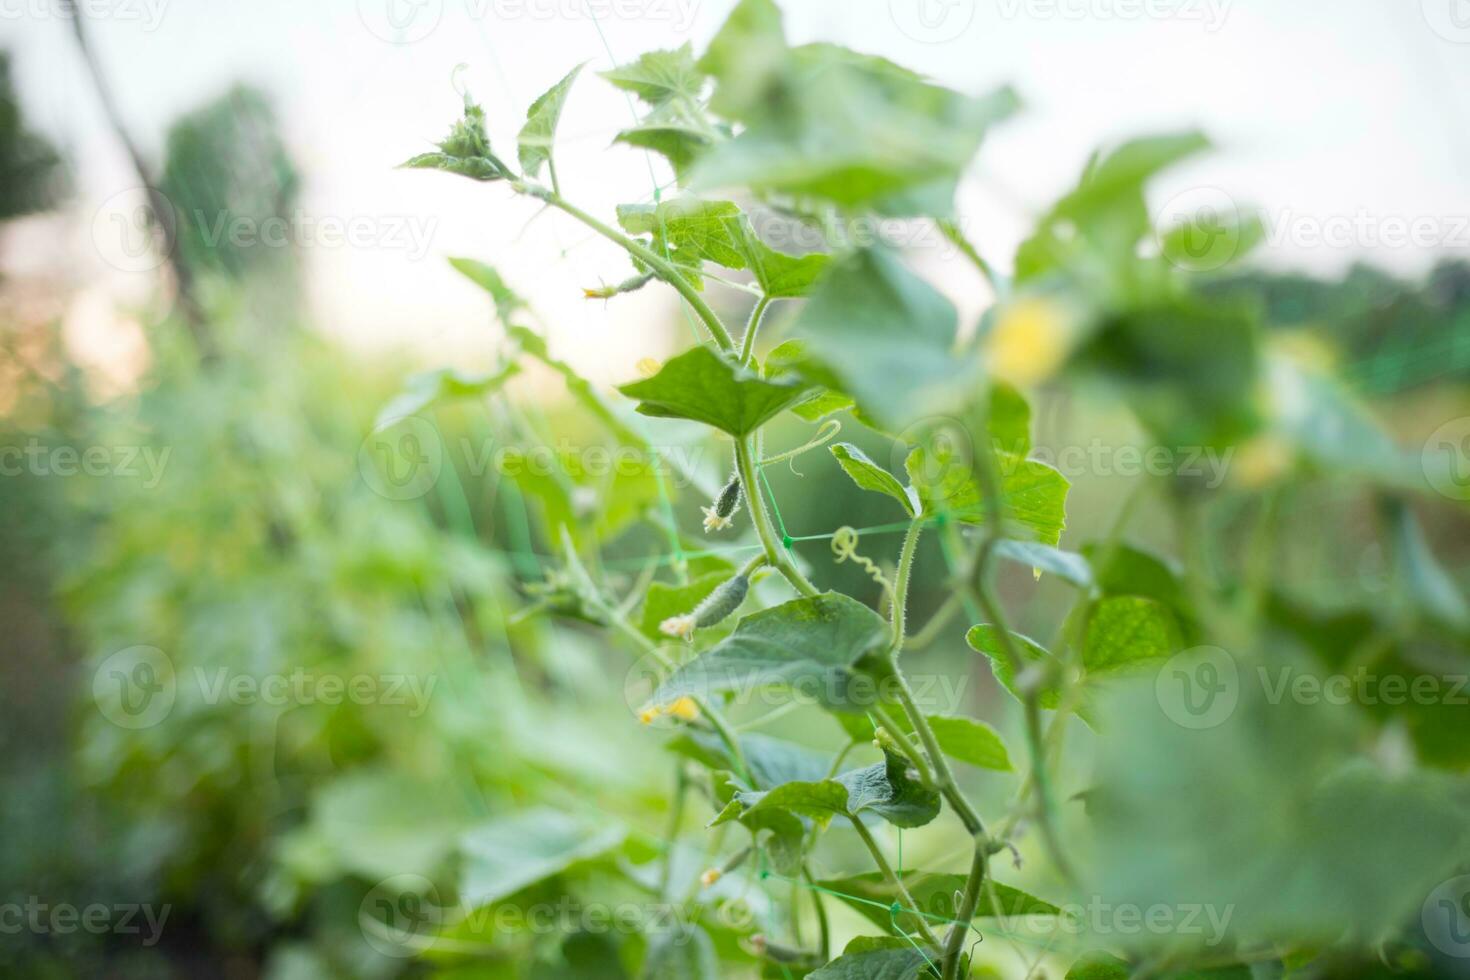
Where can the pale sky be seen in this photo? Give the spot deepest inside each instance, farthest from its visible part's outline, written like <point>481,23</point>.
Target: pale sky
<point>1346,123</point>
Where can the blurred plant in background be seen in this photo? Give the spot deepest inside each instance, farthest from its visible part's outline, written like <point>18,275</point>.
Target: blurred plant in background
<point>337,674</point>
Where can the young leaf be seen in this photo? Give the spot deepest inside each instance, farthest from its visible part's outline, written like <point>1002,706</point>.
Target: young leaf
<point>659,77</point>
<point>870,476</point>
<point>881,334</point>
<point>1034,494</point>
<point>508,853</point>
<point>819,645</point>
<point>986,639</point>
<point>933,894</point>
<point>698,231</point>
<point>465,151</point>
<point>706,387</point>
<point>887,789</point>
<point>539,132</point>
<point>445,384</point>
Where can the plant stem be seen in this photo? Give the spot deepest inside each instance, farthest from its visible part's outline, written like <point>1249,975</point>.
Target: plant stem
<point>676,817</point>
<point>980,587</point>
<point>901,581</point>
<point>952,231</point>
<point>965,912</point>
<point>894,881</point>
<point>901,739</point>
<point>747,343</point>
<point>944,775</point>
<point>823,928</point>
<point>653,260</point>
<point>776,553</point>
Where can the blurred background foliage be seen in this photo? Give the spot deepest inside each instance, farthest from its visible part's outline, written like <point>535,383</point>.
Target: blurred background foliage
<point>266,547</point>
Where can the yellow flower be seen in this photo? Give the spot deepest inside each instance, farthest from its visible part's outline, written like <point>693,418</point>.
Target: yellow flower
<point>684,709</point>
<point>648,716</point>
<point>710,877</point>
<point>680,626</point>
<point>1030,340</point>
<point>1262,460</point>
<point>713,521</point>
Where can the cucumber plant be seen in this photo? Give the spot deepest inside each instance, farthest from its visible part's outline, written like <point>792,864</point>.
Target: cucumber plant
<point>835,142</point>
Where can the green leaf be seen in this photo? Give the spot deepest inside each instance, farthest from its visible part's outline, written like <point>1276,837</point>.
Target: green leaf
<point>706,387</point>
<point>1066,565</point>
<point>1428,589</point>
<point>1034,494</point>
<point>882,335</point>
<point>821,121</point>
<point>887,789</point>
<point>684,952</point>
<point>964,739</point>
<point>1094,229</point>
<point>1127,631</point>
<point>822,645</point>
<point>1099,966</point>
<point>445,384</point>
<point>696,231</point>
<point>539,132</point>
<point>816,801</point>
<point>986,639</point>
<point>585,955</point>
<point>465,151</point>
<point>867,958</point>
<point>933,895</point>
<point>870,476</point>
<point>972,741</point>
<point>659,77</point>
<point>504,855</point>
<point>664,600</point>
<point>772,761</point>
<point>507,302</point>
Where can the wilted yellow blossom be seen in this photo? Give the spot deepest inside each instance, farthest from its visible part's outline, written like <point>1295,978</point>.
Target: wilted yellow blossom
<point>684,709</point>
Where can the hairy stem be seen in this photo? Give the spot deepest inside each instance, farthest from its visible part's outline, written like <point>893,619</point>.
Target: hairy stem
<point>894,881</point>
<point>652,259</point>
<point>747,343</point>
<point>775,551</point>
